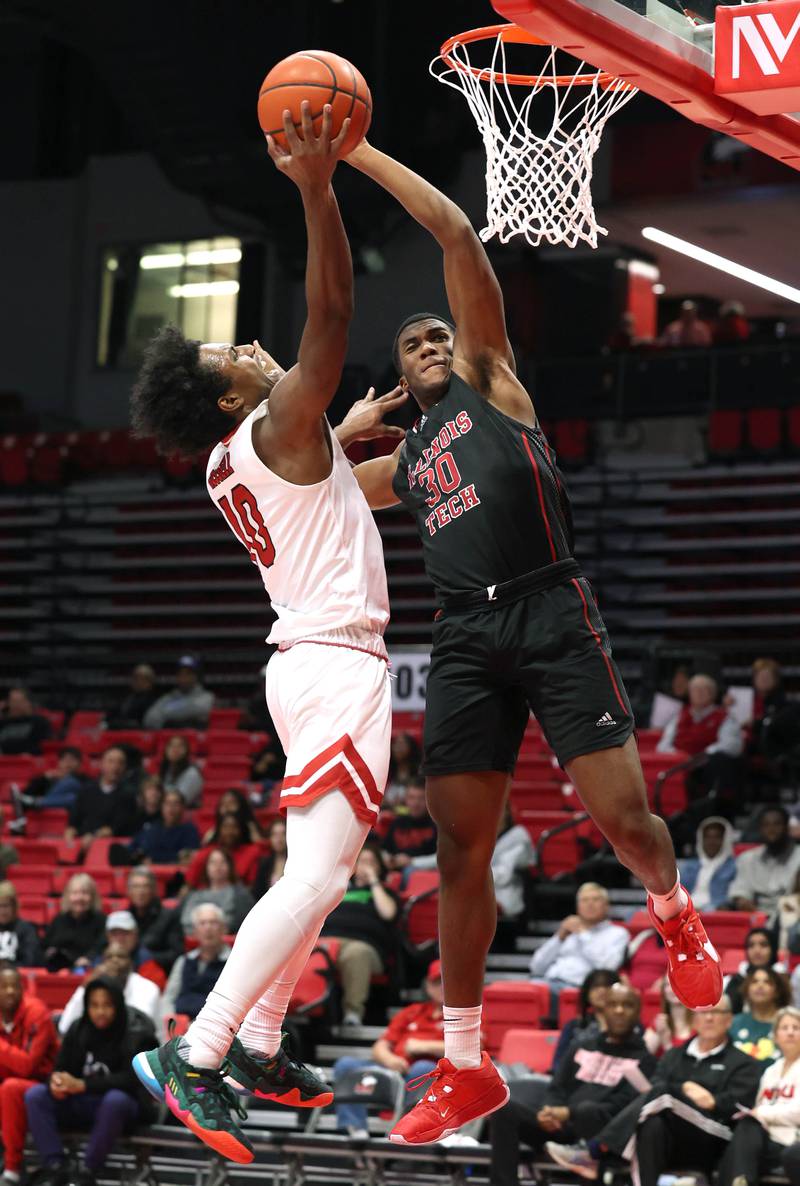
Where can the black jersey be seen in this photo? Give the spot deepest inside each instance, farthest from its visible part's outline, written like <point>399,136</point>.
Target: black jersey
<point>485,491</point>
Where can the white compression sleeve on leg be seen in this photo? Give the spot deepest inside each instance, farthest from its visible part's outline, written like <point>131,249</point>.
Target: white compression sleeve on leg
<point>261,1028</point>
<point>323,841</point>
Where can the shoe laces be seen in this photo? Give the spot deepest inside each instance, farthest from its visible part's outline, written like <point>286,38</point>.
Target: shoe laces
<point>689,938</point>
<point>212,1083</point>
<point>439,1085</point>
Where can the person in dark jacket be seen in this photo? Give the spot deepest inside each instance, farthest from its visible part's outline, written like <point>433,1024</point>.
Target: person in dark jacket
<point>141,694</point>
<point>684,1119</point>
<point>412,833</point>
<point>77,935</point>
<point>171,839</point>
<point>93,1085</point>
<point>19,942</point>
<point>22,729</point>
<point>590,1022</point>
<point>160,931</point>
<point>598,1077</point>
<point>105,807</point>
<point>57,787</point>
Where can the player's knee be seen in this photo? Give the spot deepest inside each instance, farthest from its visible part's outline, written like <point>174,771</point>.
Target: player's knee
<point>630,831</point>
<point>464,855</point>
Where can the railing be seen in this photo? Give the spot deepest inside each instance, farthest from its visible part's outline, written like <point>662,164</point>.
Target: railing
<point>573,821</point>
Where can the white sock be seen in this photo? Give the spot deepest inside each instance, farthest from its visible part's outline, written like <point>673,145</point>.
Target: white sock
<point>261,1028</point>
<point>462,1036</point>
<point>323,841</point>
<point>668,905</point>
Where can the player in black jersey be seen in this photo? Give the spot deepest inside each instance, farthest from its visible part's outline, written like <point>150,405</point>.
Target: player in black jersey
<point>518,629</point>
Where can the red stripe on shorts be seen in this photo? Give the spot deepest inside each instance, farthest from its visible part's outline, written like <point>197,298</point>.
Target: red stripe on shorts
<point>337,778</point>
<point>599,642</point>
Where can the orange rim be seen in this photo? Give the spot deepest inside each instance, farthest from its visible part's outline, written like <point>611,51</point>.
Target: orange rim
<point>514,35</point>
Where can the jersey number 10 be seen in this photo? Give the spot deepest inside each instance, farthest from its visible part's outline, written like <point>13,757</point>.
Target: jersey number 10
<point>246,521</point>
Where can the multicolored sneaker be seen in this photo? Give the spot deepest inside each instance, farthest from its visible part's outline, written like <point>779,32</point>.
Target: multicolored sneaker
<point>198,1097</point>
<point>574,1157</point>
<point>281,1078</point>
<point>694,970</point>
<point>456,1095</point>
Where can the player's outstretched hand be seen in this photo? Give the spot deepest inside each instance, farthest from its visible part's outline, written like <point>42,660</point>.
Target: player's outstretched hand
<point>364,421</point>
<point>310,159</point>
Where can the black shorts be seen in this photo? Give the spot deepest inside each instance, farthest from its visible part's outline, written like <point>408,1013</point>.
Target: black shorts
<point>547,652</point>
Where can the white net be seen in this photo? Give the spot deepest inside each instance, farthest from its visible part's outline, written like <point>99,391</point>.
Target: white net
<point>538,184</point>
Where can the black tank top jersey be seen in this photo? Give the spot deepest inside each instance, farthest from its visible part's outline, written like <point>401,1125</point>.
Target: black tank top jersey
<point>484,489</point>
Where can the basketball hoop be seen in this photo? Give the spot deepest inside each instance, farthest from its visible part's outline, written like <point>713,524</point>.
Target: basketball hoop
<point>537,185</point>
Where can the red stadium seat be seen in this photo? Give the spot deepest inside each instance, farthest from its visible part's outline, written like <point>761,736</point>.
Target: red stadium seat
<point>725,432</point>
<point>96,859</point>
<point>793,428</point>
<point>420,912</point>
<point>177,1023</point>
<point>142,739</point>
<point>224,718</point>
<point>764,429</point>
<point>104,876</point>
<point>728,928</point>
<point>534,1048</point>
<point>36,909</point>
<point>18,767</point>
<point>313,990</point>
<point>732,957</point>
<point>507,1004</point>
<point>49,822</point>
<point>230,743</point>
<point>571,441</point>
<point>32,879</point>
<point>54,988</point>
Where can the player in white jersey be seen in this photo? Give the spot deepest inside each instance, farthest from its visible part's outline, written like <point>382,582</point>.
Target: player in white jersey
<point>280,478</point>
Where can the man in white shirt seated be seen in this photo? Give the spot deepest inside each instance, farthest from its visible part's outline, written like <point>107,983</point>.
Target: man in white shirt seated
<point>139,992</point>
<point>584,942</point>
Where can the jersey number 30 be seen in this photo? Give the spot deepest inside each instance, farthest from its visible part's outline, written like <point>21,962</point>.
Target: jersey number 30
<point>245,519</point>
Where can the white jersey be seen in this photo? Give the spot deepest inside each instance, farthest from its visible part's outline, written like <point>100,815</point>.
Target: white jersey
<point>316,547</point>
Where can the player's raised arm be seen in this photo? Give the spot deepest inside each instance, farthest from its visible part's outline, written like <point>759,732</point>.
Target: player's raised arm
<point>473,292</point>
<point>300,399</point>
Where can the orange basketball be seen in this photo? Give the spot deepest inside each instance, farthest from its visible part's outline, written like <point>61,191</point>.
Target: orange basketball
<point>320,77</point>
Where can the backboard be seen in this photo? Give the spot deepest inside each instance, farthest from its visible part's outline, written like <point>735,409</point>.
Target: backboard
<point>667,50</point>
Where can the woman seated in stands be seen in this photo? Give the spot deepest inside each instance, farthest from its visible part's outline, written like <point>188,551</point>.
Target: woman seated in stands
<point>766,1134</point>
<point>590,1022</point>
<point>404,764</point>
<point>233,802</point>
<point>760,952</point>
<point>764,992</point>
<point>231,836</point>
<point>148,803</point>
<point>179,773</point>
<point>93,1085</point>
<point>271,867</point>
<point>77,935</point>
<point>220,884</point>
<point>672,1026</point>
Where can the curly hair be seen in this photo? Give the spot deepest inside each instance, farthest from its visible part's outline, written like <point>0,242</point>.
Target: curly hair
<point>175,396</point>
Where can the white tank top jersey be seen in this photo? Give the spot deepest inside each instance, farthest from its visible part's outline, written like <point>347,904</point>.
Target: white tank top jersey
<point>316,547</point>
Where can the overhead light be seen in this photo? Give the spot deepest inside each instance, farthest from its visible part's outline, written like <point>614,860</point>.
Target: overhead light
<point>659,289</point>
<point>177,259</point>
<point>712,260</point>
<point>211,288</point>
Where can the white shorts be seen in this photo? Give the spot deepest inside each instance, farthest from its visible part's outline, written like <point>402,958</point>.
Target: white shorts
<point>331,702</point>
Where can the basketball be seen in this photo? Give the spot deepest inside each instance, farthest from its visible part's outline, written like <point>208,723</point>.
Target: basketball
<point>320,77</point>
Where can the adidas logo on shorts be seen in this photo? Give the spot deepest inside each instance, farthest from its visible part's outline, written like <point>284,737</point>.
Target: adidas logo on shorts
<point>606,719</point>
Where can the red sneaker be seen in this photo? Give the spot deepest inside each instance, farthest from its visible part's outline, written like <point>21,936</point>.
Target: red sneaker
<point>455,1096</point>
<point>694,968</point>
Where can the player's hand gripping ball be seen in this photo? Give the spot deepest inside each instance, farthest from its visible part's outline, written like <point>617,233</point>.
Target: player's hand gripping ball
<point>319,77</point>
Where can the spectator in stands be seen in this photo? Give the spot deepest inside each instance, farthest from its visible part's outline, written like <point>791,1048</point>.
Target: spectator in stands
<point>76,935</point>
<point>22,729</point>
<point>233,802</point>
<point>764,992</point>
<point>271,867</point>
<point>117,965</point>
<point>411,1044</point>
<point>93,1085</point>
<point>687,329</point>
<point>760,952</point>
<point>231,836</point>
<point>19,941</point>
<point>267,768</point>
<point>763,1136</point>
<point>590,1021</point>
<point>160,931</point>
<point>511,859</point>
<point>768,872</point>
<point>404,764</point>
<point>411,834</point>
<point>218,883</point>
<point>148,802</point>
<point>362,923</point>
<point>585,940</point>
<point>28,1047</point>
<point>130,712</point>
<point>598,1077</point>
<point>104,807</point>
<point>187,705</point>
<point>122,930</point>
<point>55,788</point>
<point>789,919</point>
<point>672,1026</point>
<point>705,727</point>
<point>195,974</point>
<point>732,327</point>
<point>179,773</point>
<point>171,841</point>
<point>708,876</point>
<point>706,1079</point>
